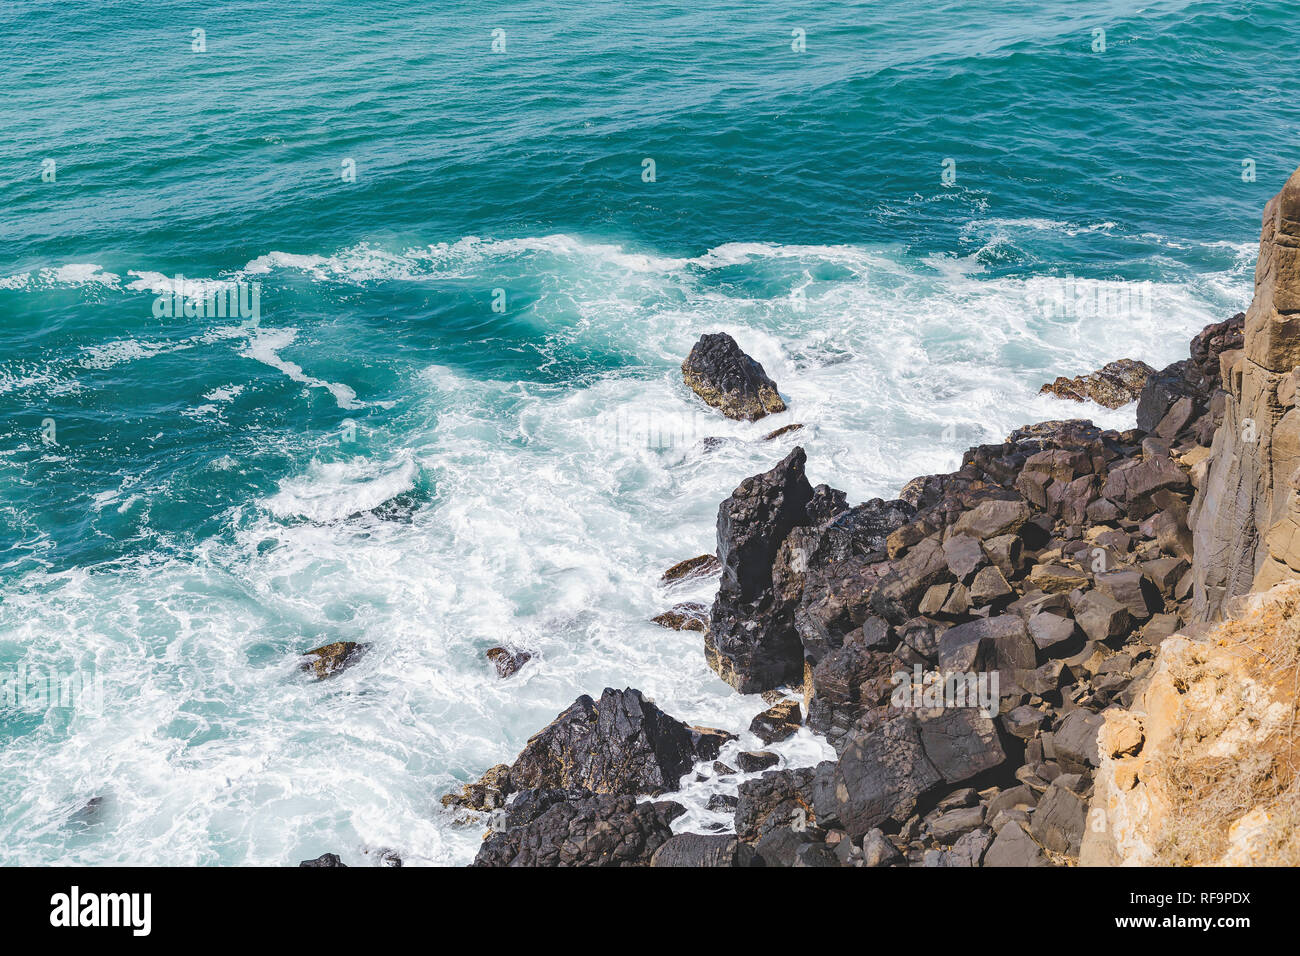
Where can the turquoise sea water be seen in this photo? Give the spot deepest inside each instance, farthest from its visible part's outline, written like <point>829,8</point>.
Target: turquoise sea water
<point>188,503</point>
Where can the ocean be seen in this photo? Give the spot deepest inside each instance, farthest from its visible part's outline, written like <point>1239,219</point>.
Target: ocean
<point>480,239</point>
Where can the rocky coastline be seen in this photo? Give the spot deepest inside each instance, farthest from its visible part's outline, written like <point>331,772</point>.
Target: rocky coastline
<point>960,647</point>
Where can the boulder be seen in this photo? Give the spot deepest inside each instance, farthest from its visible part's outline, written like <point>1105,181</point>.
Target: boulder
<point>992,518</point>
<point>1058,821</point>
<point>687,616</point>
<point>325,859</point>
<point>575,828</point>
<point>778,722</point>
<point>1076,741</point>
<point>624,744</point>
<point>1113,385</point>
<point>1014,847</point>
<point>705,850</point>
<point>729,380</point>
<point>754,761</point>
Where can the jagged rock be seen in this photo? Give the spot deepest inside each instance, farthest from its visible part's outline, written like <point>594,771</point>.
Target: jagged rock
<point>990,587</point>
<point>700,566</point>
<point>1076,741</point>
<point>1014,847</point>
<point>729,380</point>
<point>1001,642</point>
<point>573,828</point>
<point>687,616</point>
<point>778,722</point>
<point>624,744</point>
<point>1053,635</point>
<point>1024,722</point>
<point>1101,617</point>
<point>1133,482</point>
<point>881,776</point>
<point>908,578</point>
<point>751,642</point>
<point>325,859</point>
<point>969,849</point>
<point>1113,385</point>
<point>1057,578</point>
<point>960,743</point>
<point>1058,821</point>
<point>964,555</point>
<point>877,850</point>
<point>507,661</point>
<point>1132,590</point>
<point>778,798</point>
<point>488,793</point>
<point>329,659</point>
<point>992,518</point>
<point>699,849</point>
<point>753,761</point>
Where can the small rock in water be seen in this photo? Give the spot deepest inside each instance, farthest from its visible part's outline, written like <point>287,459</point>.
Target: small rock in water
<point>697,567</point>
<point>325,859</point>
<point>507,661</point>
<point>778,722</point>
<point>683,617</point>
<point>1111,386</point>
<point>729,380</point>
<point>783,430</point>
<point>329,659</point>
<point>752,761</point>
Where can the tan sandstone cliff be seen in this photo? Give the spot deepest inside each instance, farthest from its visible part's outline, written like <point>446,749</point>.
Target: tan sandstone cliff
<point>1245,519</point>
<point>1202,768</point>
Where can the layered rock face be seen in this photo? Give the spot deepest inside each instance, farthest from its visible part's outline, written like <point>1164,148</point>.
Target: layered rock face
<point>1246,517</point>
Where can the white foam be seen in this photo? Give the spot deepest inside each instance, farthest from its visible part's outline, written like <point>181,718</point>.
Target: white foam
<point>264,346</point>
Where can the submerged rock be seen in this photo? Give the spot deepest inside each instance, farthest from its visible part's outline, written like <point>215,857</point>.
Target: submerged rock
<point>684,617</point>
<point>328,659</point>
<point>698,567</point>
<point>729,380</point>
<point>507,661</point>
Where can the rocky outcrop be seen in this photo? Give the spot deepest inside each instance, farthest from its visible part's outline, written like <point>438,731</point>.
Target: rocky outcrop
<point>578,828</point>
<point>1113,385</point>
<point>1246,516</point>
<point>729,380</point>
<point>751,642</point>
<point>623,744</point>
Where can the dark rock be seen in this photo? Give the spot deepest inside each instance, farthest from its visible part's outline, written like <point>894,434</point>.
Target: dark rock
<point>1053,635</point>
<point>1059,820</point>
<point>1076,741</point>
<point>721,802</point>
<point>815,854</point>
<point>969,849</point>
<point>780,846</point>
<point>783,430</point>
<point>729,380</point>
<point>960,743</point>
<point>954,824</point>
<point>624,744</point>
<point>990,587</point>
<point>1101,617</point>
<point>325,859</point>
<point>698,850</point>
<point>1014,847</point>
<point>778,798</point>
<point>964,556</point>
<point>992,518</point>
<point>751,642</point>
<point>722,770</point>
<point>877,850</point>
<point>698,567</point>
<point>778,722</point>
<point>507,661</point>
<point>488,793</point>
<point>881,776</point>
<point>559,828</point>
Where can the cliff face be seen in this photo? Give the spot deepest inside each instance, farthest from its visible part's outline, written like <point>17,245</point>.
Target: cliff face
<point>1200,769</point>
<point>1245,518</point>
